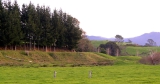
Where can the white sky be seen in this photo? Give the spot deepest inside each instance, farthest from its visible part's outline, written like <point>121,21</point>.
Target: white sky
<point>107,18</point>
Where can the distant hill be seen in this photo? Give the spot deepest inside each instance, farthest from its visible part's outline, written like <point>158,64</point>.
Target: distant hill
<point>96,38</point>
<point>99,38</point>
<point>141,40</point>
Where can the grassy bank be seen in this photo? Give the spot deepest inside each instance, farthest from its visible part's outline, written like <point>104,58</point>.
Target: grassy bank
<point>39,58</point>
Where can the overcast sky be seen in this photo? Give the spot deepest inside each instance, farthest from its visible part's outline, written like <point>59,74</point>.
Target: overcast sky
<point>107,18</point>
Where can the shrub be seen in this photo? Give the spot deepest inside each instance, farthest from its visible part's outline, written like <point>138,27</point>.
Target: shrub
<point>152,59</point>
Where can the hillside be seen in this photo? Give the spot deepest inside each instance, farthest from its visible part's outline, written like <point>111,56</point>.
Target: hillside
<point>141,40</point>
<point>96,43</point>
<point>140,51</point>
<point>38,58</point>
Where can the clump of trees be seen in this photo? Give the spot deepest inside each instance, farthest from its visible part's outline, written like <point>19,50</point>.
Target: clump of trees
<point>150,42</point>
<point>33,27</point>
<point>110,48</point>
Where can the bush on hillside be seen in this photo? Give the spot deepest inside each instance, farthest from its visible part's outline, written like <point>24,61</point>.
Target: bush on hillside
<point>152,59</point>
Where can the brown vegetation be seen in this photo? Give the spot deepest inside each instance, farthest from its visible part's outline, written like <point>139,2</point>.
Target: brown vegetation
<point>153,58</point>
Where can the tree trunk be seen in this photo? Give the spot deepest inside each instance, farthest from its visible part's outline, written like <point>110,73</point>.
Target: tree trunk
<point>25,46</point>
<point>50,48</point>
<point>12,47</point>
<point>108,51</point>
<point>117,54</point>
<point>151,55</point>
<point>15,47</point>
<point>34,44</point>
<point>30,45</point>
<point>54,49</point>
<point>46,49</point>
<point>38,45</point>
<point>5,47</point>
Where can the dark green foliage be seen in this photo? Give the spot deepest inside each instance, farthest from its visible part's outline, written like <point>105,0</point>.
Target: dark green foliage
<point>37,26</point>
<point>11,28</point>
<point>2,18</point>
<point>112,46</point>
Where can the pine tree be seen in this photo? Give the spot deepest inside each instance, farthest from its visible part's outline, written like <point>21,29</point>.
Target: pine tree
<point>46,27</point>
<point>8,36</point>
<point>73,34</point>
<point>1,21</point>
<point>24,18</point>
<point>38,23</point>
<point>31,24</point>
<point>16,25</point>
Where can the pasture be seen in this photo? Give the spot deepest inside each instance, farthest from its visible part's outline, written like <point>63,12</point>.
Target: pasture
<point>142,51</point>
<point>116,74</point>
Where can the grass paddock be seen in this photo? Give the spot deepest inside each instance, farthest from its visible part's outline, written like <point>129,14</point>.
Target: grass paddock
<point>116,74</point>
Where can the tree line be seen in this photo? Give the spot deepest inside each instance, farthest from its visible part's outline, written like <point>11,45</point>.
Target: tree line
<point>36,26</point>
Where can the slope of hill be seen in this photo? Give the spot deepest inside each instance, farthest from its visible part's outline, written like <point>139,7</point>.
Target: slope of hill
<point>39,58</point>
<point>44,59</point>
<point>141,40</point>
<point>96,43</point>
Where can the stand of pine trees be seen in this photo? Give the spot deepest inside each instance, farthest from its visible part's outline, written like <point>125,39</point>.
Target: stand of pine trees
<point>36,27</point>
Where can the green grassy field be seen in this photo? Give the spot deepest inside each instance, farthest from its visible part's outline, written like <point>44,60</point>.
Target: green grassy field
<point>96,43</point>
<point>124,70</point>
<point>141,50</point>
<point>117,74</point>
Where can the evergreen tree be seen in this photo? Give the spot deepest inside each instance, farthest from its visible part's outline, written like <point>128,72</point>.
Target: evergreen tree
<point>47,27</point>
<point>17,32</point>
<point>38,26</point>
<point>73,34</point>
<point>61,42</point>
<point>55,22</point>
<point>8,36</point>
<point>1,21</point>
<point>31,24</point>
<point>38,23</point>
<point>24,20</point>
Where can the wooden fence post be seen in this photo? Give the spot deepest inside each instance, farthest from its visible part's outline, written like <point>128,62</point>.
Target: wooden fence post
<point>54,74</point>
<point>90,74</point>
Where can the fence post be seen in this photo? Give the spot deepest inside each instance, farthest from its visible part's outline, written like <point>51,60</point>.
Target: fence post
<point>90,74</point>
<point>54,74</point>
